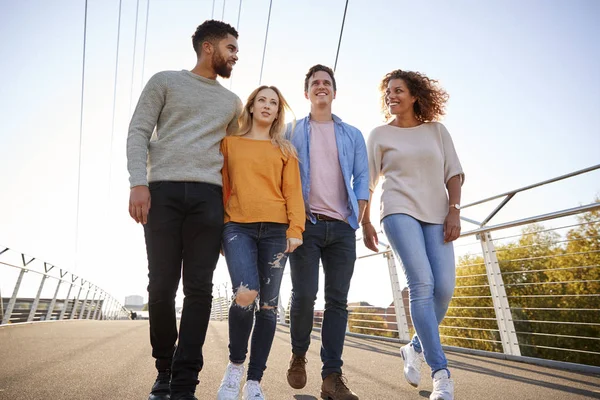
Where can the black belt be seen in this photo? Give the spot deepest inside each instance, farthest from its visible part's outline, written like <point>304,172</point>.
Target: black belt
<point>322,217</point>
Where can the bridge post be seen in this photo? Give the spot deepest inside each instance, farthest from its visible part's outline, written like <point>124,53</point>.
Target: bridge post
<point>74,309</point>
<point>64,310</point>
<point>91,305</point>
<point>401,321</point>
<point>13,299</point>
<point>53,302</point>
<point>98,302</point>
<point>34,306</point>
<point>83,305</point>
<point>508,336</point>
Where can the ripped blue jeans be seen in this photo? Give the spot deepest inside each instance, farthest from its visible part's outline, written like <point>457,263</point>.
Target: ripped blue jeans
<point>255,258</point>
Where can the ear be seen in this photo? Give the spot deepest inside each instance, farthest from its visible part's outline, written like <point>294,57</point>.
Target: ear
<point>306,95</point>
<point>207,47</point>
<point>251,110</point>
<point>334,93</point>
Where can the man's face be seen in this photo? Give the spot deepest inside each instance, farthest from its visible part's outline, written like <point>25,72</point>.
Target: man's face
<point>320,89</point>
<point>224,56</point>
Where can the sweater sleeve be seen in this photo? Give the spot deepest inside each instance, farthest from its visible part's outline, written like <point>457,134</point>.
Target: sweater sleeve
<point>452,165</point>
<point>225,173</point>
<point>292,193</point>
<point>374,153</point>
<point>143,122</point>
<point>233,126</point>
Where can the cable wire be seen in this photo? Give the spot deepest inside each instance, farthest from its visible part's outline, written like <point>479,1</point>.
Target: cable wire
<point>265,46</point>
<point>340,41</point>
<point>80,135</point>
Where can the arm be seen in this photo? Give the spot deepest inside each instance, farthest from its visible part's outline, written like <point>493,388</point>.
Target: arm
<point>233,126</point>
<point>454,176</point>
<point>452,222</point>
<point>225,173</point>
<point>291,188</point>
<point>143,121</point>
<point>370,238</point>
<point>360,174</point>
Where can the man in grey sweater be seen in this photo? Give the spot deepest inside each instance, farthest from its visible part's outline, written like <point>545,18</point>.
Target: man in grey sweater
<point>176,194</point>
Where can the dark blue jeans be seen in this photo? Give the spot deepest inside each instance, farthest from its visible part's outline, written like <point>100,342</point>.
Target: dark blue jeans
<point>256,260</point>
<point>334,243</point>
<point>183,233</point>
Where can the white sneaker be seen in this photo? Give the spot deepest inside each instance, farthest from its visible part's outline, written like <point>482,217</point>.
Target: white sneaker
<point>230,385</point>
<point>252,391</point>
<point>443,386</point>
<point>412,364</point>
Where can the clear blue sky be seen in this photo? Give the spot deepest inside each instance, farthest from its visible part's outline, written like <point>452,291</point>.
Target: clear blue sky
<point>522,77</point>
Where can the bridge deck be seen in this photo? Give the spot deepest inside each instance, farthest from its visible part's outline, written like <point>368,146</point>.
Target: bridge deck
<point>111,360</point>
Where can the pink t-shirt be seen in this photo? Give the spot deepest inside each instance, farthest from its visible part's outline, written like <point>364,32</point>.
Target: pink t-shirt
<point>327,189</point>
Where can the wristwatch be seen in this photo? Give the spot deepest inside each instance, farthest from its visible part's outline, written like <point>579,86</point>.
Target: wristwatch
<point>457,206</point>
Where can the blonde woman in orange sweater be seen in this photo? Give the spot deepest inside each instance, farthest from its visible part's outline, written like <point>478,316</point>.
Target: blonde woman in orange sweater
<point>264,221</point>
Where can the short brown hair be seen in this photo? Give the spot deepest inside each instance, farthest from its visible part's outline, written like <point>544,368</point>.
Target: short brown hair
<point>431,98</point>
<point>316,68</point>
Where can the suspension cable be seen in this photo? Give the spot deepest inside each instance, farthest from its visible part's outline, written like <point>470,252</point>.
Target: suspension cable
<point>340,41</point>
<point>223,13</point>
<point>212,15</point>
<point>145,41</point>
<point>265,46</point>
<point>80,135</point>
<point>137,10</point>
<point>112,132</point>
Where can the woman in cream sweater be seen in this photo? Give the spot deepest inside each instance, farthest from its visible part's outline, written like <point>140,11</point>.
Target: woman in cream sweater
<point>419,211</point>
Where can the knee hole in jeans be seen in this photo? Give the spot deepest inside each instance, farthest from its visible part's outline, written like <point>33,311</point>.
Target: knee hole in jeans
<point>245,298</point>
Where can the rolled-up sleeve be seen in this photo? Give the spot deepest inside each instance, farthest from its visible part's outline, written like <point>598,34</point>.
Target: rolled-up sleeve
<point>360,173</point>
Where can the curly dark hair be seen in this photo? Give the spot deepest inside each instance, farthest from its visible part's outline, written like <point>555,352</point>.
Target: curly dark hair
<point>316,68</point>
<point>211,31</point>
<point>430,97</point>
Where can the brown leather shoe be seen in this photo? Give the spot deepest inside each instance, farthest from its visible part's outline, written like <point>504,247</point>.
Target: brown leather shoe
<point>296,374</point>
<point>334,388</point>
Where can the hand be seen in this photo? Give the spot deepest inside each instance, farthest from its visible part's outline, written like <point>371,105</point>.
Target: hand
<point>292,244</point>
<point>370,236</point>
<point>452,226</point>
<point>139,203</point>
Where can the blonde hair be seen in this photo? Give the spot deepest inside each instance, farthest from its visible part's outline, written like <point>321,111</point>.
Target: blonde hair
<point>277,130</point>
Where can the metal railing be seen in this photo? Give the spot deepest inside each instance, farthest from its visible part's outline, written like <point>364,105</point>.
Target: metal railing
<point>40,291</point>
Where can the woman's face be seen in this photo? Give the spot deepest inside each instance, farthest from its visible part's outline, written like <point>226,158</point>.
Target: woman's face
<point>265,106</point>
<point>398,98</point>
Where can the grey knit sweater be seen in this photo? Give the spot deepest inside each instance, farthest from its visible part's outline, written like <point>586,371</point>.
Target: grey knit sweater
<point>191,115</point>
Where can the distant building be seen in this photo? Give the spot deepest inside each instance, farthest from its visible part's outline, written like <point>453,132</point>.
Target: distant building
<point>134,302</point>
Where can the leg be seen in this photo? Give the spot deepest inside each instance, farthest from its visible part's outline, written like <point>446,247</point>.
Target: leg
<point>304,267</point>
<point>164,248</point>
<point>407,239</point>
<point>441,258</point>
<point>201,232</point>
<point>241,253</point>
<point>271,264</point>
<point>339,256</point>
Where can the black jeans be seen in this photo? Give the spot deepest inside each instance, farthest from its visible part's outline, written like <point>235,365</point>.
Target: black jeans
<point>334,243</point>
<point>183,234</point>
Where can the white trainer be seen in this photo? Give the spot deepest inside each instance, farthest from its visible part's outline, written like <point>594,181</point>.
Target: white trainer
<point>230,385</point>
<point>252,391</point>
<point>443,386</point>
<point>412,364</point>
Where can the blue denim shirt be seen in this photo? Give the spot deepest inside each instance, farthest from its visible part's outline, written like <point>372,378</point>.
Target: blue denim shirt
<point>352,153</point>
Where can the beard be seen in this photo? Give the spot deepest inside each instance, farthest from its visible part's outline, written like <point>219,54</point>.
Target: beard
<point>220,65</point>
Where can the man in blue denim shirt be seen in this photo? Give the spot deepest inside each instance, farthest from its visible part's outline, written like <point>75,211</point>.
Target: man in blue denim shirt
<point>335,174</point>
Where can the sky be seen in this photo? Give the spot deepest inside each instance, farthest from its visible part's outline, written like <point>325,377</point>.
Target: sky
<point>522,77</point>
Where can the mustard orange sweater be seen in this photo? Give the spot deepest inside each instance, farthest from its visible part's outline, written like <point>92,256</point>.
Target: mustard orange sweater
<point>260,184</point>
